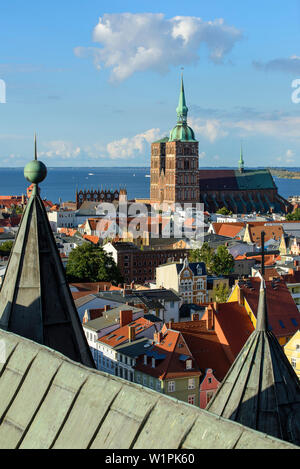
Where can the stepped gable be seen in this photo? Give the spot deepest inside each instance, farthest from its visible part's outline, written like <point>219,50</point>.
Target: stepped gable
<point>35,299</point>
<point>261,389</point>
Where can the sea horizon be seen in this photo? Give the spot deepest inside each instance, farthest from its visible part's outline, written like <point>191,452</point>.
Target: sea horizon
<point>61,182</point>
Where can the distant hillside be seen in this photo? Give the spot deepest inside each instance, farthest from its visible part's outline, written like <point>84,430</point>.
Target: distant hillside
<point>285,173</point>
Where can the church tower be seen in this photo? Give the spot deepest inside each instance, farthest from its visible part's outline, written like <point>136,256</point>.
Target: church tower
<point>175,162</point>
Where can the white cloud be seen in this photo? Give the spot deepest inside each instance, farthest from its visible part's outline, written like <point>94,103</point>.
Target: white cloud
<point>274,125</point>
<point>211,129</point>
<point>145,41</point>
<point>288,157</point>
<point>61,149</point>
<point>130,147</point>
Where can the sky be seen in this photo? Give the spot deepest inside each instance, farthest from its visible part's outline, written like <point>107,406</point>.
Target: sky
<point>99,81</point>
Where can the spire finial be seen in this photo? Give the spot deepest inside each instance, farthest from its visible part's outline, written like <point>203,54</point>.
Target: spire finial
<point>35,147</point>
<point>35,171</point>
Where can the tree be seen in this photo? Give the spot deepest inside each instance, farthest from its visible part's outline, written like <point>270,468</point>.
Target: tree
<point>204,254</point>
<point>295,216</point>
<point>90,263</point>
<point>221,293</point>
<point>6,247</point>
<point>218,263</point>
<point>223,262</point>
<point>224,211</point>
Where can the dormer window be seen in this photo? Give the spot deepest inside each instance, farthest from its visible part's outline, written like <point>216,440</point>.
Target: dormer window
<point>189,364</point>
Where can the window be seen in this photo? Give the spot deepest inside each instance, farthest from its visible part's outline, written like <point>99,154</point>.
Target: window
<point>294,362</point>
<point>191,400</point>
<point>191,383</point>
<point>282,325</point>
<point>145,359</point>
<point>158,386</point>
<point>171,386</point>
<point>145,380</point>
<point>189,364</point>
<point>209,396</point>
<point>138,378</point>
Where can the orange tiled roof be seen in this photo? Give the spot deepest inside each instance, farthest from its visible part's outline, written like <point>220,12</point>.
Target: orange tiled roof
<point>231,230</point>
<point>121,335</point>
<point>232,324</point>
<point>171,348</point>
<point>205,347</point>
<point>272,232</point>
<point>282,310</point>
<point>93,239</point>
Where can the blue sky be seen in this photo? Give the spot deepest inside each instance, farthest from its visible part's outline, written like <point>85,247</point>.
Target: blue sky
<point>99,82</point>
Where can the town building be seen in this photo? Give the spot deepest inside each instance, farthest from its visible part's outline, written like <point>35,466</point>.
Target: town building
<point>162,303</point>
<point>61,219</point>
<point>104,349</point>
<point>292,351</point>
<point>99,195</point>
<point>284,320</point>
<point>188,279</point>
<point>139,265</point>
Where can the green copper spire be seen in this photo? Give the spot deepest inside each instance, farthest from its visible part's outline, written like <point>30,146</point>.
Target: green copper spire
<point>241,161</point>
<point>182,109</point>
<point>182,132</point>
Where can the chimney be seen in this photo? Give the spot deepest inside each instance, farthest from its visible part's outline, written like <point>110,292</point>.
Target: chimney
<point>210,318</point>
<point>125,317</point>
<point>85,317</point>
<point>241,299</point>
<point>158,337</point>
<point>132,285</point>
<point>195,317</point>
<point>106,308</point>
<point>170,323</point>
<point>131,333</point>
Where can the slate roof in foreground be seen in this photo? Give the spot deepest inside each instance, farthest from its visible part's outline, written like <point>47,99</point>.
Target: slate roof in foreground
<point>48,401</point>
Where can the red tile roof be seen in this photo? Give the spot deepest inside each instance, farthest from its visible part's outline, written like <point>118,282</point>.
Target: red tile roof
<point>205,347</point>
<point>282,310</point>
<point>231,230</point>
<point>272,232</point>
<point>171,348</point>
<point>121,335</point>
<point>93,239</point>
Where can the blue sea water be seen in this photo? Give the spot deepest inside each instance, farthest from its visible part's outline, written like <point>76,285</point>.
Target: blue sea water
<point>62,182</point>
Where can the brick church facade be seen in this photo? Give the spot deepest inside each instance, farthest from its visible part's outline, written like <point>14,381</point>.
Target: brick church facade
<point>177,179</point>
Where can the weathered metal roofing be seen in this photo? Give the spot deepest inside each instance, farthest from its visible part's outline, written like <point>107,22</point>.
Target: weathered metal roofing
<point>48,401</point>
<point>35,299</point>
<point>261,389</point>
